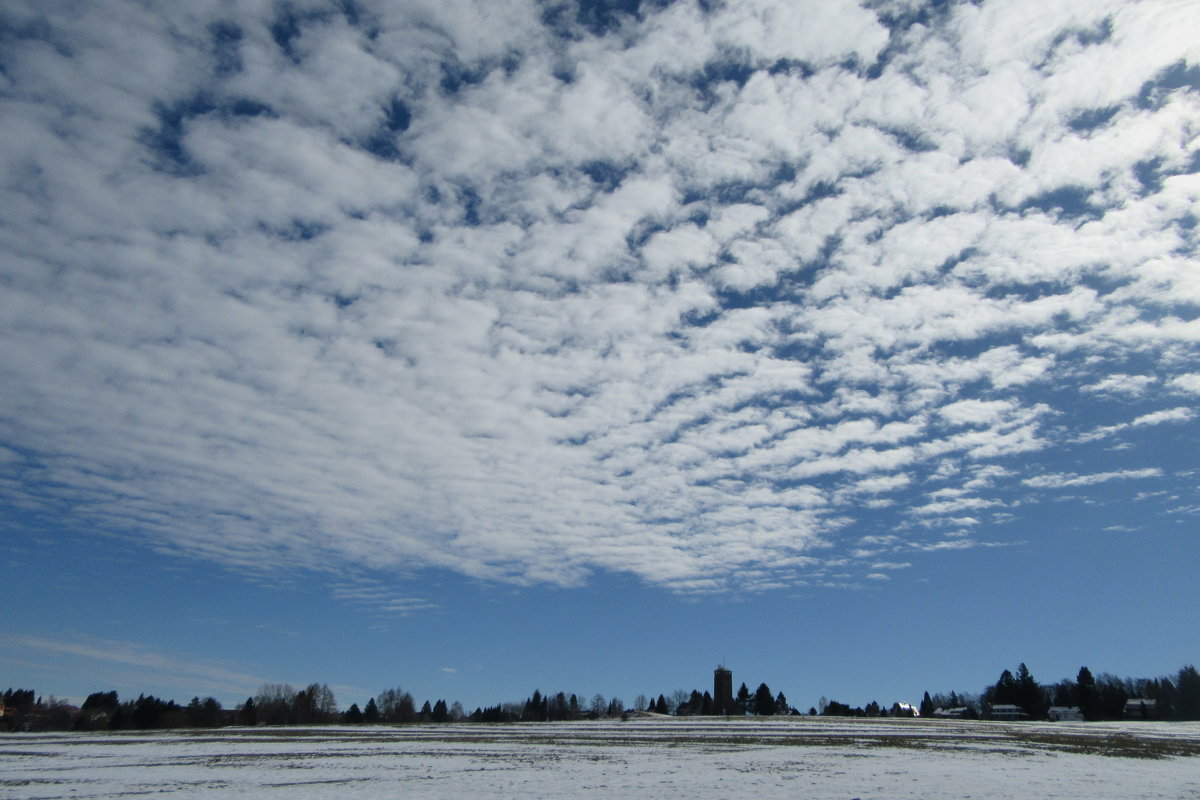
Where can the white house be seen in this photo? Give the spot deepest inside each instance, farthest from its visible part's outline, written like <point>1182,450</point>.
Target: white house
<point>952,713</point>
<point>1007,712</point>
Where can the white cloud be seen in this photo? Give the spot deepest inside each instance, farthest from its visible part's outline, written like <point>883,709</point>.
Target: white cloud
<point>1066,480</point>
<point>1179,414</point>
<point>379,597</point>
<point>138,664</point>
<point>949,544</point>
<point>975,412</point>
<point>891,565</point>
<point>821,32</point>
<point>1187,383</point>
<point>1134,385</point>
<point>955,505</point>
<point>464,293</point>
<point>882,484</point>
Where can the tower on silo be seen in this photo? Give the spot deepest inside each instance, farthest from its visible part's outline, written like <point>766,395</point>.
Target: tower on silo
<point>722,691</point>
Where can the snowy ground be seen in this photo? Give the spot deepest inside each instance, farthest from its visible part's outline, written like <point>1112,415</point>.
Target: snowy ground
<point>659,758</point>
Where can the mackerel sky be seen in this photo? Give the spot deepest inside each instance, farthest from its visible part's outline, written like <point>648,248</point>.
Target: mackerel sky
<point>583,345</point>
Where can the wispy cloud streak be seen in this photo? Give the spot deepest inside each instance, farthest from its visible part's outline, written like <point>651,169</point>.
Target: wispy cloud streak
<point>136,662</point>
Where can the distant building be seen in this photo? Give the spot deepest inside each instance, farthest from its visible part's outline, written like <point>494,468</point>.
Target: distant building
<point>1064,714</point>
<point>723,692</point>
<point>961,712</point>
<point>1141,708</point>
<point>1004,711</point>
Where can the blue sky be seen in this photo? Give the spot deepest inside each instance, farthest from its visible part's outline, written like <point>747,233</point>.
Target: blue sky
<point>479,347</point>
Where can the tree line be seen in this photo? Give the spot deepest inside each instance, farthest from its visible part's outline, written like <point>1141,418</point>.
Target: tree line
<point>272,704</point>
<point>540,707</point>
<point>1100,697</point>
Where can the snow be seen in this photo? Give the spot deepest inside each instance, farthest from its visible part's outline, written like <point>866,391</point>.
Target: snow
<point>659,758</point>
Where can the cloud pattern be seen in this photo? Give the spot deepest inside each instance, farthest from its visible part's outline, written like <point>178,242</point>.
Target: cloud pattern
<point>722,295</point>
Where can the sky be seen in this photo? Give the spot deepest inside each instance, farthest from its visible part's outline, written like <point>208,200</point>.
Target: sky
<point>479,347</point>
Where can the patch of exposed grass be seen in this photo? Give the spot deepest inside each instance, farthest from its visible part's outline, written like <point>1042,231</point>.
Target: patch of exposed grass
<point>1112,745</point>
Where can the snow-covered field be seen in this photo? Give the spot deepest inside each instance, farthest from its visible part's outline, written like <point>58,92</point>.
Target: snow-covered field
<point>652,758</point>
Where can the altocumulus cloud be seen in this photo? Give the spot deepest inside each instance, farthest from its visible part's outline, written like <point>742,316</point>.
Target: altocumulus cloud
<point>528,291</point>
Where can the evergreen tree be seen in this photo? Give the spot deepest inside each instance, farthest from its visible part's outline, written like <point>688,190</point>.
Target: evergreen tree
<point>1187,693</point>
<point>1111,695</point>
<point>1029,694</point>
<point>781,704</point>
<point>764,701</point>
<point>212,712</point>
<point>249,714</point>
<point>926,708</point>
<point>150,712</point>
<point>1163,692</point>
<point>203,713</point>
<point>1003,692</point>
<point>371,712</point>
<point>354,715</point>
<point>557,708</point>
<point>99,701</point>
<point>1085,693</point>
<point>835,709</point>
<point>194,712</point>
<point>440,711</point>
<point>742,700</point>
<point>536,709</point>
<point>302,709</point>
